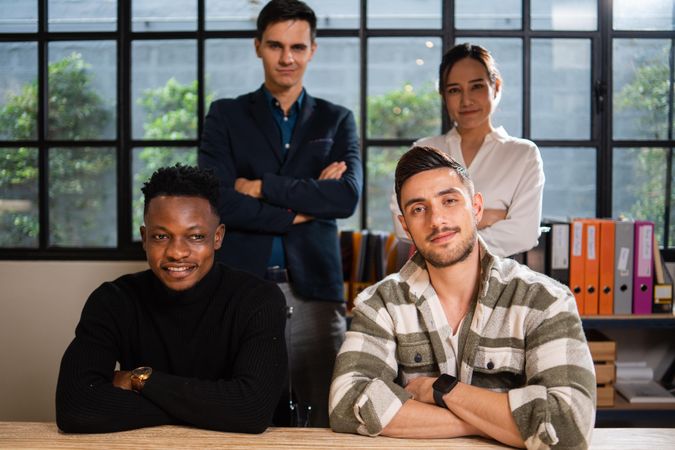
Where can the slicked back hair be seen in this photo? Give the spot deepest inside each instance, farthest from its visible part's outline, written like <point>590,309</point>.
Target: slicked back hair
<point>283,10</point>
<point>182,181</point>
<point>422,158</point>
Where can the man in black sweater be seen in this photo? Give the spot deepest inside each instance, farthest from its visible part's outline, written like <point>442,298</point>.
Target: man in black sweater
<point>197,343</point>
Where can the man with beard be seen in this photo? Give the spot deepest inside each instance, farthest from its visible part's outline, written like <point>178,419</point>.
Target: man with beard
<point>461,342</point>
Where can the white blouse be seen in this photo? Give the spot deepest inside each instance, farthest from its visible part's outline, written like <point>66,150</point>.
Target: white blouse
<point>509,172</point>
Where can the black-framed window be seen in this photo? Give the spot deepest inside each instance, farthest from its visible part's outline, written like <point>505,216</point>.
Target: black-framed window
<point>96,95</point>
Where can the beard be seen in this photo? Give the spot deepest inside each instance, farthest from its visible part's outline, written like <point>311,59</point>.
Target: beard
<point>448,256</point>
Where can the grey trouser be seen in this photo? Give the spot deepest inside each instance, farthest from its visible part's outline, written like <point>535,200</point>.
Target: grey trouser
<point>314,334</point>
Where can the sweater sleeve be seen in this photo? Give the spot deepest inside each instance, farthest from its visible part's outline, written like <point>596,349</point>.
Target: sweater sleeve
<point>246,401</point>
<point>86,400</point>
<point>556,407</point>
<point>364,396</point>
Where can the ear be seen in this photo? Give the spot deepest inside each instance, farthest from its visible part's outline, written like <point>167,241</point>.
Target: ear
<point>401,220</point>
<point>143,236</point>
<point>312,49</point>
<point>218,237</point>
<point>498,87</point>
<point>477,207</point>
<point>256,44</point>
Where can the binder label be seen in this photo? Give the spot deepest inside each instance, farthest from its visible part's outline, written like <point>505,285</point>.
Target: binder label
<point>577,229</point>
<point>644,268</point>
<point>624,254</point>
<point>590,242</point>
<point>559,249</point>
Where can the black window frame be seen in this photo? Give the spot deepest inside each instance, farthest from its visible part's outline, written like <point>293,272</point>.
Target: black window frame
<point>601,108</point>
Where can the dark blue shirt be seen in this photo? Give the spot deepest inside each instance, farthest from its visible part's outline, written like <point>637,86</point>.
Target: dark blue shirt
<point>286,124</point>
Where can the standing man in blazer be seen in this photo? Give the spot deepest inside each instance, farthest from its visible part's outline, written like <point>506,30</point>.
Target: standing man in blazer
<point>289,166</point>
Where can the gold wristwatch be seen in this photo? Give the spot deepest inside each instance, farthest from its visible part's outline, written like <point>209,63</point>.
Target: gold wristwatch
<point>139,376</point>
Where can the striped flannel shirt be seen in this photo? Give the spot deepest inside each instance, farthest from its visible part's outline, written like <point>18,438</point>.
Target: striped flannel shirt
<point>523,336</point>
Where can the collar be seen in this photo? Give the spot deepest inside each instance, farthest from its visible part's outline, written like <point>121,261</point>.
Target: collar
<point>499,134</point>
<point>273,101</point>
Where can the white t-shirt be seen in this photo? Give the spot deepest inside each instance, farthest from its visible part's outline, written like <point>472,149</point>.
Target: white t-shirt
<point>509,172</point>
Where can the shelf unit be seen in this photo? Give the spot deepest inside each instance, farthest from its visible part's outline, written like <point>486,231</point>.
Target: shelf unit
<point>623,413</point>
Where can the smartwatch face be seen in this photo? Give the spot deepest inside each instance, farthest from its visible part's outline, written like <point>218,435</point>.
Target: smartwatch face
<point>444,383</point>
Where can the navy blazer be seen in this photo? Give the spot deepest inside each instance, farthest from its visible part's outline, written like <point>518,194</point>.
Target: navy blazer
<point>241,139</point>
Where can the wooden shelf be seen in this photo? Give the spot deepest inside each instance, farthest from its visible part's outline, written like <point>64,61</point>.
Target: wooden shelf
<point>629,321</point>
<point>621,404</point>
<point>624,414</point>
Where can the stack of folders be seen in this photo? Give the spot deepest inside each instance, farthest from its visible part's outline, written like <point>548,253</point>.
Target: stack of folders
<point>611,266</point>
<point>635,381</point>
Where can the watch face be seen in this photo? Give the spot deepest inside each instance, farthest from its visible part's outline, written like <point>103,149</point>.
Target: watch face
<point>445,383</point>
<point>142,373</point>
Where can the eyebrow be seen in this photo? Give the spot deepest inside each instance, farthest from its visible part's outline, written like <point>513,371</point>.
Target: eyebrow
<point>475,80</point>
<point>452,190</point>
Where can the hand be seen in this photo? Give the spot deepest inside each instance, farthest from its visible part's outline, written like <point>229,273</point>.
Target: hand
<point>490,217</point>
<point>122,379</point>
<point>422,389</point>
<point>301,218</point>
<point>252,188</point>
<point>333,171</point>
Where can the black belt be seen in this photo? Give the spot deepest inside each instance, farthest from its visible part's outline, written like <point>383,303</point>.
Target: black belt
<point>277,274</point>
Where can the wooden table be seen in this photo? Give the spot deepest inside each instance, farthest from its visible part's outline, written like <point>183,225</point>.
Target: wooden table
<point>46,436</point>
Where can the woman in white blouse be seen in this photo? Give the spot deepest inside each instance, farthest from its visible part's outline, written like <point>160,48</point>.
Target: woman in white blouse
<point>508,171</point>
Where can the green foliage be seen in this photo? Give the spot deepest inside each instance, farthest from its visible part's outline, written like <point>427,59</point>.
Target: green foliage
<point>170,113</point>
<point>76,111</point>
<point>399,114</point>
<point>648,94</point>
<point>404,113</point>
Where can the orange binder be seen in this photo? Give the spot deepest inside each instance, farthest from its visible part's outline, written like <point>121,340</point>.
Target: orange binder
<point>591,266</point>
<point>577,259</point>
<point>606,283</point>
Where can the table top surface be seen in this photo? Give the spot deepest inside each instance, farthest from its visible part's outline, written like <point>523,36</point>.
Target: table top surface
<point>45,435</point>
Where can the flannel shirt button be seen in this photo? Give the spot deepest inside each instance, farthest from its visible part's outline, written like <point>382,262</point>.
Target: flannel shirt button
<point>418,357</point>
<point>490,365</point>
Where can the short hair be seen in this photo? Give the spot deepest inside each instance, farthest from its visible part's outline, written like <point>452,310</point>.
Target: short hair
<point>467,50</point>
<point>422,158</point>
<point>182,181</point>
<point>282,10</point>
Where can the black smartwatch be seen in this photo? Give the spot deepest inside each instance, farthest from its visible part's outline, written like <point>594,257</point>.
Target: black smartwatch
<point>443,384</point>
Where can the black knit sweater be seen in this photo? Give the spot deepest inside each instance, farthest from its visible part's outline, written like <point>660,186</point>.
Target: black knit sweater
<point>217,351</point>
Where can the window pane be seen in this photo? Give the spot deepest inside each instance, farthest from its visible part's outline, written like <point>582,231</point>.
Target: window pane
<point>145,161</point>
<point>564,15</point>
<point>18,90</point>
<point>232,68</point>
<point>650,15</point>
<point>18,16</point>
<point>19,220</point>
<point>561,89</point>
<point>508,54</point>
<point>242,14</point>
<point>401,14</point>
<point>570,188</point>
<point>79,15</point>
<point>488,14</point>
<point>641,77</point>
<point>164,89</point>
<point>381,165</point>
<point>82,90</point>
<point>231,14</point>
<point>163,15</point>
<point>333,73</point>
<point>403,100</point>
<point>82,197</point>
<point>638,185</point>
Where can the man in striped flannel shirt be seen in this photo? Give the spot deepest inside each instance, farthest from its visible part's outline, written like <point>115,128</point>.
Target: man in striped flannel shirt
<point>461,342</point>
